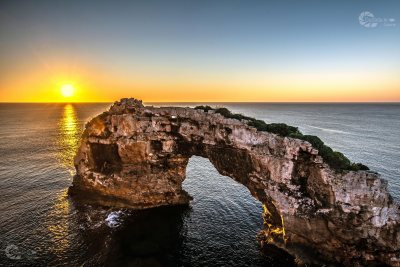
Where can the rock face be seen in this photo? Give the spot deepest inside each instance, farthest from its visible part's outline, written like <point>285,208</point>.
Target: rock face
<point>136,156</point>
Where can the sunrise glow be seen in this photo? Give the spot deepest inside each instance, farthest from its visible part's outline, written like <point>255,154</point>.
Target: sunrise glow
<point>67,90</point>
<point>260,53</point>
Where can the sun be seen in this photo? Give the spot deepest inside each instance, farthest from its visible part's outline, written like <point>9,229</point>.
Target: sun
<point>67,90</point>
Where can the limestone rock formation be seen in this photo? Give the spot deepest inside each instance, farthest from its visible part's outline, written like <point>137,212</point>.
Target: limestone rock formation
<point>135,156</point>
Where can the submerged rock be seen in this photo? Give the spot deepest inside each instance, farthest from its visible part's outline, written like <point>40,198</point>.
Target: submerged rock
<point>135,156</point>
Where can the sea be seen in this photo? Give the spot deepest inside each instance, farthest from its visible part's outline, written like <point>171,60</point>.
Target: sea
<point>40,225</point>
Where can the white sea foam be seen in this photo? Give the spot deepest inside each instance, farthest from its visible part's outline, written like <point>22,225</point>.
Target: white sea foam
<point>327,129</point>
<point>113,219</point>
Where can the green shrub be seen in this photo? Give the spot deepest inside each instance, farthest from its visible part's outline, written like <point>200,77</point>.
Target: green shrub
<point>224,112</point>
<point>241,117</point>
<point>228,114</point>
<point>205,108</point>
<point>358,166</point>
<point>337,160</point>
<point>334,159</point>
<point>315,141</point>
<point>282,129</point>
<point>259,125</point>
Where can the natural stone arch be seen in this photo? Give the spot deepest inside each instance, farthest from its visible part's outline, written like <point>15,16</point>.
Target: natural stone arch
<point>136,156</point>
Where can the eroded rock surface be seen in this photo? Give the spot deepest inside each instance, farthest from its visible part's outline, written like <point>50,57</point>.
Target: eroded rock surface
<point>136,156</point>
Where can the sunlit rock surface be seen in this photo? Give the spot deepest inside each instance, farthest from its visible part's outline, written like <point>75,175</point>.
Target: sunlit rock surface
<point>136,156</point>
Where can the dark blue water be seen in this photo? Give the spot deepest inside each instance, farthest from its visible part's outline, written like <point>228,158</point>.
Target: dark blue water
<point>41,225</point>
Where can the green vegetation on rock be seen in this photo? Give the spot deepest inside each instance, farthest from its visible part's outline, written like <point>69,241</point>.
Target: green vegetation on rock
<point>205,108</point>
<point>335,159</point>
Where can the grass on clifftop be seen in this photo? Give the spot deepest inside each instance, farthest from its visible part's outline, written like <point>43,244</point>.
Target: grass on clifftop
<point>335,159</point>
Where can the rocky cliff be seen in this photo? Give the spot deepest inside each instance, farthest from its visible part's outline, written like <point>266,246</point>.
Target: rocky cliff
<point>136,156</point>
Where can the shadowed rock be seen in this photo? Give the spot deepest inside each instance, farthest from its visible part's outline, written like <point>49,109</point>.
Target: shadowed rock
<point>136,156</point>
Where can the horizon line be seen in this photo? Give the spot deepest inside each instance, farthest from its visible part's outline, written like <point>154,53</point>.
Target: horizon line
<point>211,102</point>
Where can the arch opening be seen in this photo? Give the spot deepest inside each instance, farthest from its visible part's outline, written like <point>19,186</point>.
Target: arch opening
<point>225,211</point>
<point>239,165</point>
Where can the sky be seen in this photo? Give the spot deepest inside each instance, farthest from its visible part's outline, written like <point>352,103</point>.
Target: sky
<point>199,51</point>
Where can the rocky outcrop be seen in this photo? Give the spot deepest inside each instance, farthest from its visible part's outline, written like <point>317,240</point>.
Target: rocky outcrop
<point>136,156</point>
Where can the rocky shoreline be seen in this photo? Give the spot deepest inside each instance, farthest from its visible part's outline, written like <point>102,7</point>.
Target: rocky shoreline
<point>135,156</point>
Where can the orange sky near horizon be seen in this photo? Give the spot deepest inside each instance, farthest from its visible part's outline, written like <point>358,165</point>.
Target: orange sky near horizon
<point>44,86</point>
<point>197,52</point>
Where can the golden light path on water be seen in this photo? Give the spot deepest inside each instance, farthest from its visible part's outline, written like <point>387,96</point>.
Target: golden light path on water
<point>59,231</point>
<point>67,143</point>
<point>68,139</point>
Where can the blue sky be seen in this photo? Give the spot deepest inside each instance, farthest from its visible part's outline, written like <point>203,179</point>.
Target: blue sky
<point>211,40</point>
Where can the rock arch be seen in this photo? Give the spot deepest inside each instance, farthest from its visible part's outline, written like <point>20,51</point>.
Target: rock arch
<point>136,156</point>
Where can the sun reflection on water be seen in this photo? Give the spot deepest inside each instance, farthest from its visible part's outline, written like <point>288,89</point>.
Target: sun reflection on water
<point>68,139</point>
<point>59,228</point>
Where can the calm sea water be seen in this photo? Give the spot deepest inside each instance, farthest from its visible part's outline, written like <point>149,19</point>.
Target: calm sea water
<point>41,225</point>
